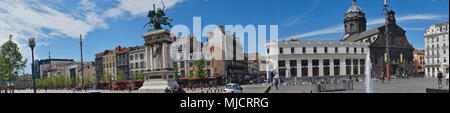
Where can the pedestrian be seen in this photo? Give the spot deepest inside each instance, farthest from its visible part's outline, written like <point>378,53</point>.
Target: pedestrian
<point>382,78</point>
<point>446,77</point>
<point>167,90</point>
<point>440,76</point>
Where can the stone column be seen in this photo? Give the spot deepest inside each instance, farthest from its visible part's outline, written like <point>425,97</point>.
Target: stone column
<point>163,55</point>
<point>310,68</point>
<point>288,69</point>
<point>343,67</point>
<point>321,73</point>
<point>331,66</point>
<point>299,68</point>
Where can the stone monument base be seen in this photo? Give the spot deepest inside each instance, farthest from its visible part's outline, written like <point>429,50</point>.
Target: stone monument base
<point>159,81</point>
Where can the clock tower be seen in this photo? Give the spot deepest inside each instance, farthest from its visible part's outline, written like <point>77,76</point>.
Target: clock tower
<point>355,20</point>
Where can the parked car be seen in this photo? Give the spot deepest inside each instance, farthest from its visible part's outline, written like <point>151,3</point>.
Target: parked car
<point>232,88</point>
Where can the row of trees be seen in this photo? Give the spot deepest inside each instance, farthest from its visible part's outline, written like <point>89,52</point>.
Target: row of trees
<point>121,77</point>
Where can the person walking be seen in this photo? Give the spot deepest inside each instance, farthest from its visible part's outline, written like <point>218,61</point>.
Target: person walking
<point>382,78</point>
<point>440,76</point>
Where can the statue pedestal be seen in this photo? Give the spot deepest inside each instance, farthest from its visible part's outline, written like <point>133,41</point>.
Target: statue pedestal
<point>160,75</point>
<point>159,80</point>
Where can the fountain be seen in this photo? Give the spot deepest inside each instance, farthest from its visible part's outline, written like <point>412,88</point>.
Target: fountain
<point>368,81</point>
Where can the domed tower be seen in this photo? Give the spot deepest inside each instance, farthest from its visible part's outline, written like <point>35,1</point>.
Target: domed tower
<point>355,20</point>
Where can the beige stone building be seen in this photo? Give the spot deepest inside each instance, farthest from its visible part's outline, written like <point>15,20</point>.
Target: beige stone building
<point>419,62</point>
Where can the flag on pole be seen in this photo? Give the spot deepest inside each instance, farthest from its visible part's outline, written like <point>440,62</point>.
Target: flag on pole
<point>385,57</point>
<point>401,58</point>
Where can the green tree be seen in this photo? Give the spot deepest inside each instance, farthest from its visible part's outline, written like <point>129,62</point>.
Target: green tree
<point>121,76</point>
<point>141,75</point>
<point>105,77</point>
<point>190,74</point>
<point>199,68</point>
<point>11,61</point>
<point>67,81</point>
<point>135,76</point>
<point>175,67</point>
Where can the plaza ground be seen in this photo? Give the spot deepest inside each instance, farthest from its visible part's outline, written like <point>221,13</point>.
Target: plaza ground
<point>412,85</point>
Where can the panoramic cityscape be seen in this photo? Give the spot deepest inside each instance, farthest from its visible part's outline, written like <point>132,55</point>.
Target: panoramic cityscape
<point>229,46</point>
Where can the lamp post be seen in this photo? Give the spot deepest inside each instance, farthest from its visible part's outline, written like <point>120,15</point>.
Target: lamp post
<point>32,44</point>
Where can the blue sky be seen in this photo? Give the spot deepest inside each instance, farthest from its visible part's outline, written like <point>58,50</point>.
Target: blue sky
<point>106,24</point>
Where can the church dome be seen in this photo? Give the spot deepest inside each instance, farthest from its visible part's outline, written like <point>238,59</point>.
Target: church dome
<point>355,9</point>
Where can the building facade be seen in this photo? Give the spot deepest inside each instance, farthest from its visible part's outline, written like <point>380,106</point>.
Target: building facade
<point>436,49</point>
<point>109,64</point>
<point>400,50</point>
<point>99,65</point>
<point>45,67</point>
<point>419,62</point>
<point>137,61</point>
<point>123,62</point>
<point>305,60</point>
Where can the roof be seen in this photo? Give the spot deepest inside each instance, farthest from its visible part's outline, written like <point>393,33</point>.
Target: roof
<point>359,36</point>
<point>440,24</point>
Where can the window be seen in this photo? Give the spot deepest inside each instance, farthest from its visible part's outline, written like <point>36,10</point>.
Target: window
<point>282,63</point>
<point>351,27</point>
<point>315,67</point>
<point>337,68</point>
<point>136,64</point>
<point>363,65</point>
<point>336,50</point>
<point>348,50</point>
<point>362,50</point>
<point>348,63</point>
<point>315,50</point>
<point>303,49</point>
<point>268,50</point>
<point>292,50</point>
<point>136,57</point>
<point>208,63</point>
<point>304,68</point>
<point>293,64</point>
<point>354,50</point>
<point>142,56</point>
<point>326,50</point>
<point>326,67</point>
<point>142,64</point>
<point>281,50</point>
<point>355,66</point>
<point>131,57</point>
<point>182,64</point>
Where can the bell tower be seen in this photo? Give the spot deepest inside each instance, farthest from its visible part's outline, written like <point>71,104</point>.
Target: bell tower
<point>355,20</point>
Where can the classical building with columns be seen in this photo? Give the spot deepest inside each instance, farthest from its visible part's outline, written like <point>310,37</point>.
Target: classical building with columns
<point>305,60</point>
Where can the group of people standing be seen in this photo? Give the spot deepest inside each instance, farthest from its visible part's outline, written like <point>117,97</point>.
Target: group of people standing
<point>440,77</point>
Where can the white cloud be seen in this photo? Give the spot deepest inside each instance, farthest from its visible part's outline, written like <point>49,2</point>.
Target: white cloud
<point>27,18</point>
<point>86,5</point>
<point>137,7</point>
<point>340,28</point>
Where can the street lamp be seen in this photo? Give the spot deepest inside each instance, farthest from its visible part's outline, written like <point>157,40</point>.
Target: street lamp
<point>32,44</point>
